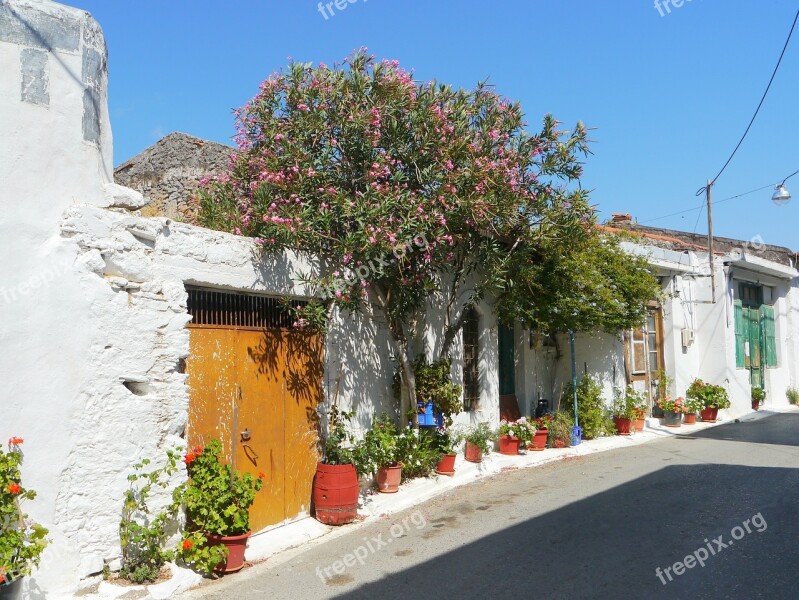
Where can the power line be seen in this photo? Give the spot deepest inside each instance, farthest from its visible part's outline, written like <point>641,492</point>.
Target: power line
<point>759,106</point>
<point>702,206</point>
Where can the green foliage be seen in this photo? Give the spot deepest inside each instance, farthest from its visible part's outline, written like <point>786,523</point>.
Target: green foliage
<point>793,395</point>
<point>594,418</point>
<point>142,535</point>
<point>672,405</point>
<point>418,452</point>
<point>479,435</point>
<point>709,395</point>
<point>340,442</point>
<point>198,554</point>
<point>379,446</point>
<point>758,395</point>
<point>522,429</point>
<point>637,402</point>
<point>434,384</point>
<point>623,406</point>
<point>21,541</point>
<point>589,284</point>
<point>560,428</point>
<point>217,499</point>
<point>691,406</point>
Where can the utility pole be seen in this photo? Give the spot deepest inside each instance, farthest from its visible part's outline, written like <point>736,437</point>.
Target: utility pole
<point>709,193</point>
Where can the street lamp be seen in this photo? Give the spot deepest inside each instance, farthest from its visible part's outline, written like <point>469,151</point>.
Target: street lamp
<point>781,195</point>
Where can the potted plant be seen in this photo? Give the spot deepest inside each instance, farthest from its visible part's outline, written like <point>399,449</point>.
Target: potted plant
<point>672,411</point>
<point>560,430</point>
<point>513,435</point>
<point>542,425</point>
<point>478,440</point>
<point>335,485</point>
<point>689,409</point>
<point>623,413</point>
<point>793,395</point>
<point>444,442</point>
<point>438,398</point>
<point>758,396</point>
<point>378,453</point>
<point>638,404</point>
<point>217,501</point>
<point>711,398</point>
<point>417,451</point>
<point>21,540</point>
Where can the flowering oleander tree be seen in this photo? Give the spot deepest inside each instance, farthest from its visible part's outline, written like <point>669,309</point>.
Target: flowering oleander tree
<point>404,193</point>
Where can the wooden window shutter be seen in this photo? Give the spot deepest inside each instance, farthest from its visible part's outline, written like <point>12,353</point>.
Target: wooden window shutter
<point>741,332</point>
<point>769,333</point>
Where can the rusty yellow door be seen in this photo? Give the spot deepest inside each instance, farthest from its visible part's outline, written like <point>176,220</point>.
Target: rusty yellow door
<point>257,390</point>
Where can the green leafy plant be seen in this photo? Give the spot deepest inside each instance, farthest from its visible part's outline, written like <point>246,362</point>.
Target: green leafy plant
<point>434,384</point>
<point>623,406</point>
<point>544,422</point>
<point>560,428</point>
<point>143,535</point>
<point>637,402</point>
<point>522,429</point>
<point>758,395</point>
<point>793,395</point>
<point>675,405</point>
<point>418,452</point>
<point>444,440</point>
<point>692,406</point>
<point>21,540</point>
<point>593,416</point>
<point>217,501</point>
<point>710,396</point>
<point>479,435</point>
<point>379,447</point>
<point>340,442</point>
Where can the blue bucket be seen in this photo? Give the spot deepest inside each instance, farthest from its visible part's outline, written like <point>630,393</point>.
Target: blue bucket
<point>577,435</point>
<point>429,418</point>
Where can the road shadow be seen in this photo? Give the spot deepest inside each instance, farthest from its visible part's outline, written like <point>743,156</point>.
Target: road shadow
<point>778,429</point>
<point>609,545</point>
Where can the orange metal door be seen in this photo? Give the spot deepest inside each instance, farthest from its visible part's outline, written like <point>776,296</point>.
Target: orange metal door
<point>273,379</point>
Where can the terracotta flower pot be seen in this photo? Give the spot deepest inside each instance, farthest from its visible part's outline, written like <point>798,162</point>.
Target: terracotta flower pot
<point>623,426</point>
<point>473,453</point>
<point>709,415</point>
<point>539,440</point>
<point>639,424</point>
<point>508,445</point>
<point>388,479</point>
<point>335,494</point>
<point>446,466</point>
<point>689,419</point>
<point>755,405</point>
<point>236,545</point>
<point>672,419</point>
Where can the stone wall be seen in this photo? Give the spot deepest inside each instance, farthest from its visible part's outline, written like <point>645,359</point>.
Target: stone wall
<point>167,174</point>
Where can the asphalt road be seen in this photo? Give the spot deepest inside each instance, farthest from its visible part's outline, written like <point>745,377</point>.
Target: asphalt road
<point>721,502</point>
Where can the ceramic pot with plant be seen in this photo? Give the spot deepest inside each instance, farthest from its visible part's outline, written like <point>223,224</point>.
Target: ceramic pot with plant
<point>672,411</point>
<point>758,397</point>
<point>378,453</point>
<point>622,412</point>
<point>514,435</point>
<point>479,440</point>
<point>541,434</point>
<point>711,398</point>
<point>444,442</point>
<point>21,540</point>
<point>689,409</point>
<point>217,501</point>
<point>638,405</point>
<point>335,485</point>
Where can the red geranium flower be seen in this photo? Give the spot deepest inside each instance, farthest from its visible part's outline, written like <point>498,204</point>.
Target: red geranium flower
<point>15,441</point>
<point>261,475</point>
<point>13,488</point>
<point>187,544</point>
<point>189,458</point>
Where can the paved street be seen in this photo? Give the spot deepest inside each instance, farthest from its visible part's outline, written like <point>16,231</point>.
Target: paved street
<point>593,527</point>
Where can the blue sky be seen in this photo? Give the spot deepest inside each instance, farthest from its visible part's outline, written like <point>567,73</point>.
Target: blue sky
<point>669,96</point>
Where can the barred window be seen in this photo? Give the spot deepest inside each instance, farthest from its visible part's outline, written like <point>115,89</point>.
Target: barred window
<point>471,352</point>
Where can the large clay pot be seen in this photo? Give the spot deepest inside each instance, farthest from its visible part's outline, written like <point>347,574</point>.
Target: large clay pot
<point>473,453</point>
<point>672,419</point>
<point>335,494</point>
<point>689,419</point>
<point>446,466</point>
<point>11,590</point>
<point>236,545</point>
<point>540,439</point>
<point>639,424</point>
<point>623,426</point>
<point>755,405</point>
<point>709,415</point>
<point>389,478</point>
<point>508,445</point>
